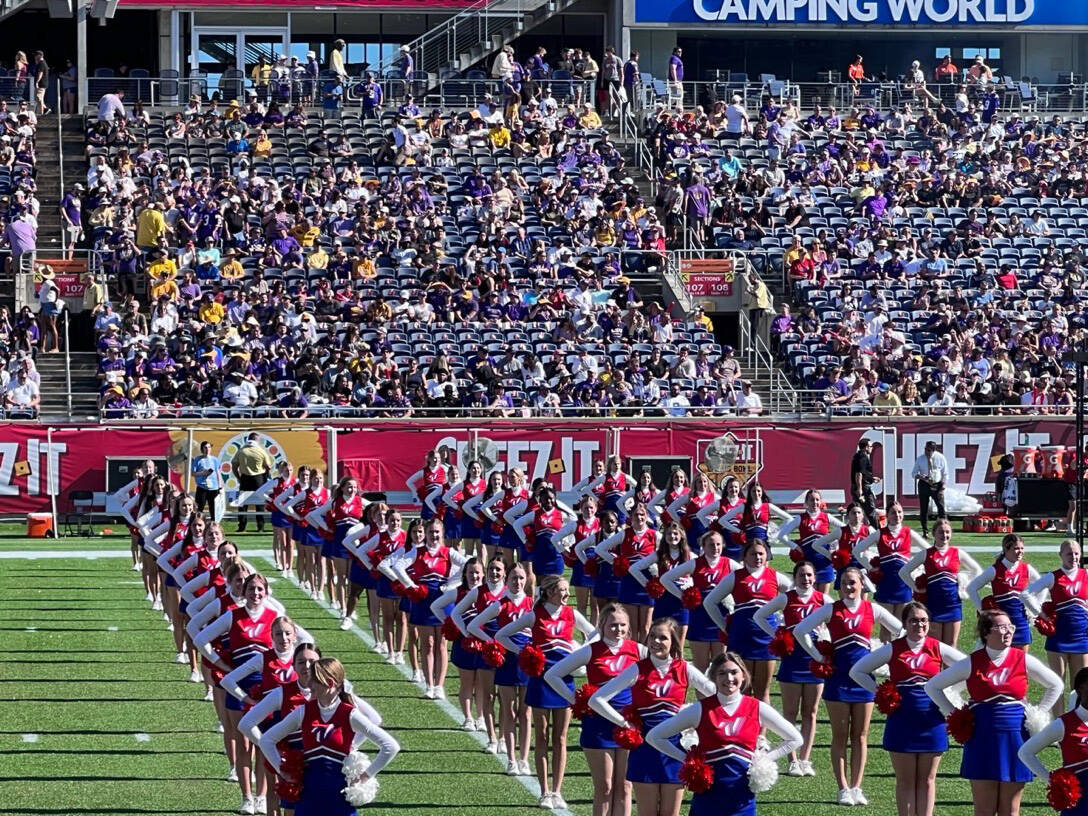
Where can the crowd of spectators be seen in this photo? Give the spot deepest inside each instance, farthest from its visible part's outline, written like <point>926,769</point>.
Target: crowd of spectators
<point>389,263</point>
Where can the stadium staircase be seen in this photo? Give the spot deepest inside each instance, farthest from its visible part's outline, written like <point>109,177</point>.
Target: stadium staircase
<point>54,386</point>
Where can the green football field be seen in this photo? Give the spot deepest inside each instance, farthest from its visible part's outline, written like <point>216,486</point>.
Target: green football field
<point>97,718</point>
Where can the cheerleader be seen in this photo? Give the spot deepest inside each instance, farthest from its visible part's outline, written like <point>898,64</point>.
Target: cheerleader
<point>915,733</point>
<point>894,548</point>
<point>1067,646</point>
<point>361,569</point>
<point>801,689</point>
<point>997,677</point>
<point>709,516</point>
<point>152,508</point>
<point>686,507</point>
<point>751,586</point>
<point>672,551</point>
<point>845,537</point>
<point>1009,579</point>
<point>331,724</point>
<point>728,724</point>
<point>644,493</point>
<point>938,587</point>
<point>592,484</point>
<point>850,623</point>
<point>296,536</point>
<point>335,518</point>
<point>480,597</point>
<point>172,532</point>
<point>429,567</point>
<point>603,660</point>
<point>386,542</point>
<point>497,506</point>
<point>812,526</point>
<point>548,526</point>
<point>510,678</point>
<point>754,516</point>
<point>281,525</point>
<point>1070,733</point>
<point>676,488</point>
<point>588,524</point>
<point>490,530</point>
<point>457,498</point>
<point>466,661</point>
<point>128,499</point>
<point>606,586</point>
<point>171,562</point>
<point>702,573</point>
<point>299,506</point>
<point>428,484</point>
<point>552,625</point>
<point>639,541</point>
<point>655,688</point>
<point>618,487</point>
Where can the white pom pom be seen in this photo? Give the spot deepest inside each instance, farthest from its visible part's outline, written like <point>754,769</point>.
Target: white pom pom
<point>688,739</point>
<point>653,570</point>
<point>361,793</point>
<point>355,765</point>
<point>1035,718</point>
<point>762,773</point>
<point>955,694</point>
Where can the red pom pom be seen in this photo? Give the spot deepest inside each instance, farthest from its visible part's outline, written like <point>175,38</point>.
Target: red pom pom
<point>494,654</point>
<point>961,724</point>
<point>691,598</point>
<point>723,636</point>
<point>581,708</point>
<point>532,661</point>
<point>821,670</point>
<point>292,765</point>
<point>888,697</point>
<point>654,588</point>
<point>796,555</point>
<point>1063,792</point>
<point>874,562</point>
<point>825,648</point>
<point>569,558</point>
<point>1050,609</point>
<point>288,791</point>
<point>841,558</point>
<point>399,589</point>
<point>989,602</point>
<point>621,566</point>
<point>876,575</point>
<point>630,713</point>
<point>696,774</point>
<point>627,738</point>
<point>783,643</point>
<point>591,568</point>
<point>450,631</point>
<point>418,593</point>
<point>472,645</point>
<point>1045,626</point>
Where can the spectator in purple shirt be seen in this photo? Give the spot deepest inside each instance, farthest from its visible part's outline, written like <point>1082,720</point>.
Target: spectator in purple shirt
<point>697,205</point>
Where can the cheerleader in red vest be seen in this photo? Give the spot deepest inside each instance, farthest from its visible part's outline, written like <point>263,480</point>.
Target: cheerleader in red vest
<point>728,724</point>
<point>335,519</point>
<point>459,500</point>
<point>672,551</point>
<point>915,733</point>
<point>711,516</point>
<point>1009,579</point>
<point>606,586</point>
<point>618,488</point>
<point>801,689</point>
<point>1067,645</point>
<point>843,539</point>
<point>644,494</point>
<point>168,535</point>
<point>128,499</point>
<point>467,661</point>
<point>183,552</point>
<point>154,506</point>
<point>639,540</point>
<point>676,489</point>
<point>1070,733</point>
<point>510,679</point>
<point>495,507</point>
<point>490,530</point>
<point>552,624</point>
<point>383,539</point>
<point>362,570</point>
<point>998,677</point>
<point>751,587</point>
<point>299,506</point>
<point>393,599</point>
<point>753,519</point>
<point>851,622</point>
<point>812,526</point>
<point>428,484</point>
<point>430,567</point>
<point>643,696</point>
<point>583,486</point>
<point>702,573</point>
<point>603,660</point>
<point>543,531</point>
<point>894,548</point>
<point>686,507</point>
<point>331,724</point>
<point>587,525</point>
<point>297,533</point>
<point>944,571</point>
<point>284,479</point>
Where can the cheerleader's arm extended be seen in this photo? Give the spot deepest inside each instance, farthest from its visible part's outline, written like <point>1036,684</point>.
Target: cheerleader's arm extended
<point>1051,682</point>
<point>653,506</point>
<point>601,701</point>
<point>862,671</point>
<point>887,620</point>
<point>822,545</point>
<point>604,549</point>
<point>514,513</point>
<point>316,517</point>
<point>589,631</point>
<point>583,545</point>
<point>449,498</point>
<point>906,572</point>
<point>269,704</point>
<point>791,738</point>
<point>1036,744</point>
<point>461,607</point>
<point>762,617</point>
<point>387,746</point>
<point>472,505</point>
<point>808,625</point>
<point>567,665</point>
<point>936,686</point>
<point>520,624</point>
<point>784,531</point>
<point>861,545</point>
<point>644,563</point>
<point>660,736</point>
<point>361,551</point>
<point>698,681</point>
<point>476,627</point>
<point>203,640</point>
<point>1040,585</point>
<point>230,680</point>
<point>520,523</point>
<point>442,601</point>
<point>487,504</point>
<point>678,503</point>
<point>977,583</point>
<point>270,739</point>
<point>671,579</point>
<point>1028,599</point>
<point>189,588</point>
<point>254,496</point>
<point>166,555</point>
<point>716,596</point>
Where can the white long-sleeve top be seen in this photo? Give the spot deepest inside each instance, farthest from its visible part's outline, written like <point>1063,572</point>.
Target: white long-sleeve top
<point>254,665</point>
<point>400,564</point>
<point>601,701</point>
<point>801,632</point>
<point>969,569</point>
<point>457,615</point>
<point>791,524</point>
<point>166,556</point>
<point>591,541</point>
<point>689,716</point>
<point>874,536</point>
<point>202,640</point>
<point>286,501</point>
<point>1045,582</point>
<point>646,566</point>
<point>316,517</point>
<point>726,521</point>
<point>370,538</point>
<point>569,526</point>
<point>604,549</point>
<point>488,614</point>
<point>432,494</point>
<point>577,659</point>
<point>364,728</point>
<point>862,671</point>
<point>989,573</point>
<point>1051,735</point>
<point>763,615</point>
<point>678,578</point>
<point>725,588</point>
<point>525,621</point>
<point>959,671</point>
<point>270,703</point>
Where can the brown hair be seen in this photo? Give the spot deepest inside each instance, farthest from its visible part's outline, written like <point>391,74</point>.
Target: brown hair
<point>674,634</point>
<point>730,657</point>
<point>986,621</point>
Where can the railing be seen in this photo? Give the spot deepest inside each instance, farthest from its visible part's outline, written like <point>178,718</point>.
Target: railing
<point>67,362</point>
<point>782,397</point>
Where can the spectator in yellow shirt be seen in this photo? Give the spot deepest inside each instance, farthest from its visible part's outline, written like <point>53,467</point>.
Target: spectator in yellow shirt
<point>150,227</point>
<point>363,268</point>
<point>318,259</point>
<point>702,321</point>
<point>211,311</point>
<point>161,266</point>
<point>589,118</point>
<point>263,148</point>
<point>167,288</point>
<point>231,270</point>
<point>305,233</point>
<point>499,136</point>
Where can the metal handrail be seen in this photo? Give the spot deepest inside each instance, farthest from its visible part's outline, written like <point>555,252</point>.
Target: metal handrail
<point>757,356</point>
<point>60,159</point>
<point>67,363</point>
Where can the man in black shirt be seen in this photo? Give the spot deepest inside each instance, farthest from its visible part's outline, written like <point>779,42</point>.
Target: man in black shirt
<point>861,481</point>
<point>41,83</point>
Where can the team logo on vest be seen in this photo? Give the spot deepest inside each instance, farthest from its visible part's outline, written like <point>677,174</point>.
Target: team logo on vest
<point>756,584</point>
<point>998,677</point>
<point>253,629</point>
<point>914,662</point>
<point>322,731</point>
<point>283,676</point>
<point>554,628</point>
<point>660,688</point>
<point>852,621</point>
<point>730,728</point>
<point>615,664</point>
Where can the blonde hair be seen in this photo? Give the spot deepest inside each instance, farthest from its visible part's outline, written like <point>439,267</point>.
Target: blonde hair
<point>328,671</point>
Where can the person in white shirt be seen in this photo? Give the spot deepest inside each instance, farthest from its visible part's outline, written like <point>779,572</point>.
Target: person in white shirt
<point>240,392</point>
<point>676,403</point>
<point>22,394</point>
<point>940,401</point>
<point>931,473</point>
<point>736,118</point>
<point>748,401</point>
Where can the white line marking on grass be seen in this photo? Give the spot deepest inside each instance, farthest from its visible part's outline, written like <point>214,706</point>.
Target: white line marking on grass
<point>142,737</point>
<point>111,628</point>
<point>131,583</point>
<point>42,555</point>
<point>32,629</point>
<point>527,782</point>
<point>30,737</point>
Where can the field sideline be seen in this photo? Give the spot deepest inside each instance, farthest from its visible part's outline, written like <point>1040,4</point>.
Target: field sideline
<point>98,719</point>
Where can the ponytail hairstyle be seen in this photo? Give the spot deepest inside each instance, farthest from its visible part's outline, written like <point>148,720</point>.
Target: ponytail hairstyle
<point>329,672</point>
